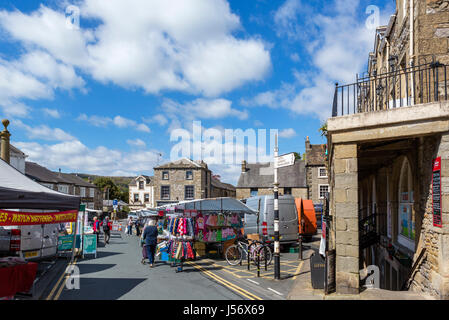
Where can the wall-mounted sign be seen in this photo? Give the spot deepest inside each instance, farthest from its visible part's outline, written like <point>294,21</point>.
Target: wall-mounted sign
<point>436,192</point>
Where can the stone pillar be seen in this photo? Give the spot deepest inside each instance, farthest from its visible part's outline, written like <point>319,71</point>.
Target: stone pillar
<point>345,197</point>
<point>4,136</point>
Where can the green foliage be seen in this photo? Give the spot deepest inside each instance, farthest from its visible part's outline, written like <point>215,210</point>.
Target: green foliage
<point>297,155</point>
<point>323,129</point>
<point>105,183</point>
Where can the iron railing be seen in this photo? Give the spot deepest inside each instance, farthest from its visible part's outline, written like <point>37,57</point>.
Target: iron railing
<point>368,231</point>
<point>424,83</point>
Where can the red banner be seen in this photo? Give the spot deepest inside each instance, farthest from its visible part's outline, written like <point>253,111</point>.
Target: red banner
<point>14,218</point>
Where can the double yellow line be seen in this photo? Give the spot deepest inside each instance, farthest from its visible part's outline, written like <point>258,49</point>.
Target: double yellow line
<point>60,284</point>
<point>226,283</point>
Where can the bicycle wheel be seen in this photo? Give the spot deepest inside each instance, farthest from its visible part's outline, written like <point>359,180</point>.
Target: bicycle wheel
<point>261,257</point>
<point>233,255</point>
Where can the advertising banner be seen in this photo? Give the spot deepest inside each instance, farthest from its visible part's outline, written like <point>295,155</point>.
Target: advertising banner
<point>14,218</point>
<point>436,192</point>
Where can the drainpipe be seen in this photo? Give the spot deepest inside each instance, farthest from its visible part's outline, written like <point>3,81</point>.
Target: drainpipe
<point>5,136</point>
<point>411,47</point>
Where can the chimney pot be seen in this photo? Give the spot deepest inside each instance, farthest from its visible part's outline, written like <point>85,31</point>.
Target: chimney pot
<point>243,166</point>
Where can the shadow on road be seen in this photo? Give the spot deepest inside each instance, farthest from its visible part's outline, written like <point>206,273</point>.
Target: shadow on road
<point>100,254</point>
<point>111,289</point>
<point>91,268</point>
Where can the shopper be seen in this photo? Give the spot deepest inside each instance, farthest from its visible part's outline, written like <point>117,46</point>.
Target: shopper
<point>107,226</point>
<point>137,226</point>
<point>130,226</point>
<point>150,236</point>
<point>96,228</point>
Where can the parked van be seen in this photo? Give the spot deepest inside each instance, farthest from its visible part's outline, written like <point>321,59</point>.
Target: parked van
<point>288,218</point>
<point>32,242</point>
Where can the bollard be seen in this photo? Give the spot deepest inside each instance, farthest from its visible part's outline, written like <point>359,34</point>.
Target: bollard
<point>300,247</point>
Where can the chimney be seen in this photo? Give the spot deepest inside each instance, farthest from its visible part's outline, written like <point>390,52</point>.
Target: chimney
<point>243,166</point>
<point>5,138</point>
<point>308,147</point>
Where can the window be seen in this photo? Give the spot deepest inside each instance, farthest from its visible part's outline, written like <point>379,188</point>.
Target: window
<point>254,192</point>
<point>63,189</point>
<point>165,192</point>
<point>165,175</point>
<point>323,188</point>
<point>189,175</point>
<point>82,192</point>
<point>288,191</point>
<point>406,217</point>
<point>189,192</point>
<point>141,185</point>
<point>136,197</point>
<point>322,172</point>
<point>147,197</point>
<point>92,192</point>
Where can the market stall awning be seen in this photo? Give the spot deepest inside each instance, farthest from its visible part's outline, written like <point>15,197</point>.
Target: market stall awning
<point>214,205</point>
<point>17,191</point>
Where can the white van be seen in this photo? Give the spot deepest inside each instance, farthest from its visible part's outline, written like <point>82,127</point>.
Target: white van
<point>36,241</point>
<point>288,217</point>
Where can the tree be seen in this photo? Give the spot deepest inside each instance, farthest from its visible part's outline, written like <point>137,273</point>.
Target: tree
<point>297,155</point>
<point>323,129</point>
<point>106,184</point>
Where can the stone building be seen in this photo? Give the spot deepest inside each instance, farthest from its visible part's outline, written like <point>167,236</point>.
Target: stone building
<point>220,189</point>
<point>185,179</point>
<point>388,142</point>
<point>257,179</point>
<point>66,183</point>
<point>141,193</point>
<point>316,171</point>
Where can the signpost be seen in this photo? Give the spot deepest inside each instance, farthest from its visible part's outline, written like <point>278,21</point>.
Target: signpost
<point>279,162</point>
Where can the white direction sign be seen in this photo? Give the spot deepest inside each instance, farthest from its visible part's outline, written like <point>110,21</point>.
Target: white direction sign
<point>284,160</point>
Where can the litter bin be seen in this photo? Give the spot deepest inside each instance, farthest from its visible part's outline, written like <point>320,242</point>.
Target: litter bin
<point>317,270</point>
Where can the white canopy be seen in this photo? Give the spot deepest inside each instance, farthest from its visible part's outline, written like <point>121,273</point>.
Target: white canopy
<point>17,191</point>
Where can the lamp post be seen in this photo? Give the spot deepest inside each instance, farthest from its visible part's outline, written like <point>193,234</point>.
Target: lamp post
<point>277,261</point>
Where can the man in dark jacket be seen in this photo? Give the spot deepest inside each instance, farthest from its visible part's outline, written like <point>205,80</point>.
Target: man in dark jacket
<point>150,236</point>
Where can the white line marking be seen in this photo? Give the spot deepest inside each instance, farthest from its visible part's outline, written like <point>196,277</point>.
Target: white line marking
<point>275,292</point>
<point>253,281</point>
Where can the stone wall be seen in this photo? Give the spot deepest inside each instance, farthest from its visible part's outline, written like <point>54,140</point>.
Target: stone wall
<point>177,182</point>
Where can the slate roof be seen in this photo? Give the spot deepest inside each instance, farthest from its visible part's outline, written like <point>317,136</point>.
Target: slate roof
<point>183,163</point>
<point>315,156</point>
<point>42,174</point>
<point>260,175</point>
<point>15,150</point>
<point>221,185</point>
<point>149,179</point>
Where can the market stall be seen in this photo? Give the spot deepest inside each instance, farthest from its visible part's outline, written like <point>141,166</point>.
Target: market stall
<point>25,202</point>
<point>215,223</point>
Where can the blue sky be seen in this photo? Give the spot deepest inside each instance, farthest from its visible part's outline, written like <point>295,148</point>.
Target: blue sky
<point>104,97</point>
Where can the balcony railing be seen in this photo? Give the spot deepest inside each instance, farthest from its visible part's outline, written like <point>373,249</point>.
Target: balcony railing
<point>424,83</point>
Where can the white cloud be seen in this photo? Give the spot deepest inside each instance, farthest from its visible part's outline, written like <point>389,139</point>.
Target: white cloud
<point>136,143</point>
<point>152,45</point>
<point>74,156</point>
<point>118,121</point>
<point>52,113</point>
<point>43,132</point>
<point>287,133</point>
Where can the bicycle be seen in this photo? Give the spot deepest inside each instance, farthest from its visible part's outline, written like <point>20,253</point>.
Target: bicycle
<point>235,253</point>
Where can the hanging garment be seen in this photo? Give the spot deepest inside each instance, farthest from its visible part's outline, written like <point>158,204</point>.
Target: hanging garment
<point>220,220</point>
<point>200,221</point>
<point>219,235</point>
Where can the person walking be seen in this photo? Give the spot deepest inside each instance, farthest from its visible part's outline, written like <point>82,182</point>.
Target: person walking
<point>96,228</point>
<point>130,226</point>
<point>107,226</point>
<point>137,226</point>
<point>150,236</point>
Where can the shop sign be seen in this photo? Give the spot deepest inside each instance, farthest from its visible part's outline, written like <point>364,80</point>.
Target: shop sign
<point>436,192</point>
<point>14,218</point>
<point>90,244</point>
<point>65,243</point>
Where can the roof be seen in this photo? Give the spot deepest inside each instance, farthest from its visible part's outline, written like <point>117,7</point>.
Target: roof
<point>17,191</point>
<point>15,150</point>
<point>261,175</point>
<point>316,155</point>
<point>147,178</point>
<point>74,179</point>
<point>183,163</point>
<point>42,174</point>
<point>221,185</point>
<point>214,205</point>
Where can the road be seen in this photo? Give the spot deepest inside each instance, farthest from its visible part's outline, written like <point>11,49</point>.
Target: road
<point>117,274</point>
